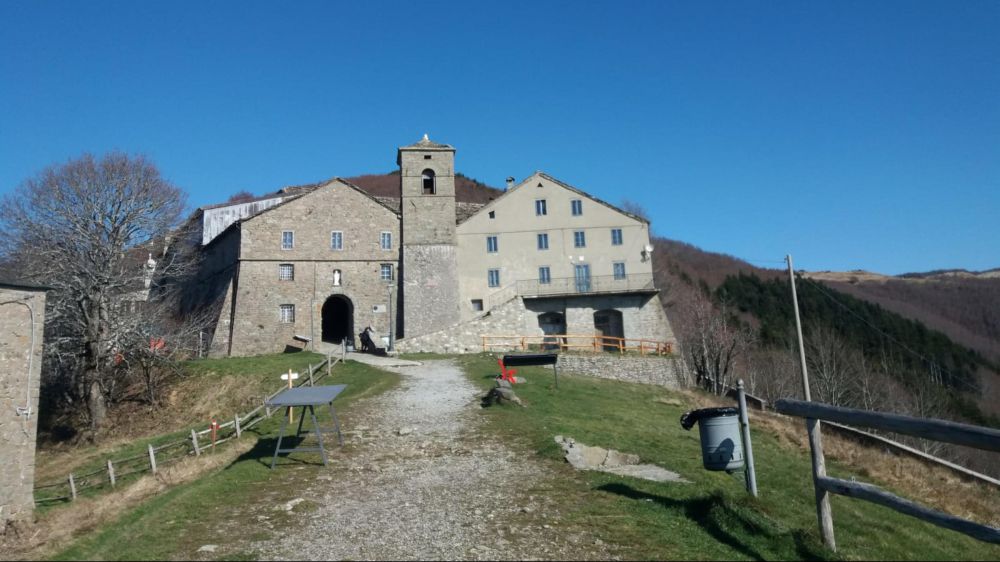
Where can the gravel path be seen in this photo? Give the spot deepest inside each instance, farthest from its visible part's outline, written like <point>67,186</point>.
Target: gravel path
<point>416,482</point>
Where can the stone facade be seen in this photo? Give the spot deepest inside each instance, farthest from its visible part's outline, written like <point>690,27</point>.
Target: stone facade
<point>250,318</point>
<point>20,347</point>
<point>275,280</point>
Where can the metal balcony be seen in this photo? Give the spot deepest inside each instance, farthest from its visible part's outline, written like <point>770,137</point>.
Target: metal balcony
<point>632,283</point>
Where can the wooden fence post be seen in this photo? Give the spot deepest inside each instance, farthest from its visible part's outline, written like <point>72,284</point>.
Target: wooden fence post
<point>236,423</point>
<point>194,441</point>
<point>111,473</point>
<point>311,375</point>
<point>152,458</point>
<point>823,511</point>
<point>72,486</point>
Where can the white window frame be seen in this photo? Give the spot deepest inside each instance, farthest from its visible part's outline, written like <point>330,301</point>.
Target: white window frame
<point>576,207</point>
<point>290,246</point>
<point>286,313</point>
<point>621,237</point>
<point>339,234</point>
<point>538,241</point>
<point>490,273</point>
<point>492,244</point>
<point>382,270</point>
<point>290,269</point>
<point>581,240</point>
<point>383,236</point>
<point>541,208</point>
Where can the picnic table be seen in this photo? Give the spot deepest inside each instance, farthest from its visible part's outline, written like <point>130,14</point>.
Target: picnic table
<point>307,397</point>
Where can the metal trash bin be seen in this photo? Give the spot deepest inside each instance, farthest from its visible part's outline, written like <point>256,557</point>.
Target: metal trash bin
<point>721,444</point>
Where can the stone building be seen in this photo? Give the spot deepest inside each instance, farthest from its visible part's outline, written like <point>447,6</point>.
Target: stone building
<point>22,323</point>
<point>321,262</point>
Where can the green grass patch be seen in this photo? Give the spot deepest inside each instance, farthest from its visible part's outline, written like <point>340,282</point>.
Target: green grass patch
<point>174,524</point>
<point>712,518</point>
<point>258,374</point>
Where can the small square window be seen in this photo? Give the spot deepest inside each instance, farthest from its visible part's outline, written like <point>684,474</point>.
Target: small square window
<point>337,240</point>
<point>427,156</point>
<point>287,240</point>
<point>494,277</point>
<point>616,237</point>
<point>287,312</point>
<point>540,209</point>
<point>544,275</point>
<point>386,272</point>
<point>577,207</point>
<point>580,239</point>
<point>286,272</point>
<point>493,214</point>
<point>477,305</point>
<point>491,244</point>
<point>385,240</point>
<point>543,241</point>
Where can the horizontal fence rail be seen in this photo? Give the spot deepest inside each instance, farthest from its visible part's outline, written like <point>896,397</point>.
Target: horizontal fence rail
<point>933,429</point>
<point>566,342</point>
<point>875,494</point>
<point>69,488</point>
<point>936,430</point>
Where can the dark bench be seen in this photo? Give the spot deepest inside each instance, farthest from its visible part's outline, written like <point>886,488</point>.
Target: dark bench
<point>531,359</point>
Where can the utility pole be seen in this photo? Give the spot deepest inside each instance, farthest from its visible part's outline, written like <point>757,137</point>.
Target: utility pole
<point>798,329</point>
<point>823,511</point>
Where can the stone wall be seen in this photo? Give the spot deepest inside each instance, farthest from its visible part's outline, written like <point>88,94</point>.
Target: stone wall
<point>659,370</point>
<point>18,432</point>
<point>465,337</point>
<point>520,317</point>
<point>430,288</point>
<point>253,301</point>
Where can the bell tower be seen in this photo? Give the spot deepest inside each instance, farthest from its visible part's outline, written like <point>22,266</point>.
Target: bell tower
<point>429,273</point>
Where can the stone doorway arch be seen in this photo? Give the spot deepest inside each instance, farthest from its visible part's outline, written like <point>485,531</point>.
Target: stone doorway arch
<point>609,323</point>
<point>338,319</point>
<point>552,323</point>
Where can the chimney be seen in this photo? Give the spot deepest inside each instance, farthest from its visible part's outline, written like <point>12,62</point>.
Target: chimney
<point>510,182</point>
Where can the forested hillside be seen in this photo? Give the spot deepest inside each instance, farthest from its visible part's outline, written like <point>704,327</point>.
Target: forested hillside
<point>734,320</point>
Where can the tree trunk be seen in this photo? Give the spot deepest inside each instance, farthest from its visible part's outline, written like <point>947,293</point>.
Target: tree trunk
<point>96,405</point>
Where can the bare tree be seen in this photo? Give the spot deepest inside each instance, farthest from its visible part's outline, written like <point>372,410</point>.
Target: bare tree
<point>773,373</point>
<point>80,228</point>
<point>711,340</point>
<point>833,366</point>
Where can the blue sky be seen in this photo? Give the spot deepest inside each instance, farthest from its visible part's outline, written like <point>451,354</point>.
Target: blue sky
<point>849,134</point>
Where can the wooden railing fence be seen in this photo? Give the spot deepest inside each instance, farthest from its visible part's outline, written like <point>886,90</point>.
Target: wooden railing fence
<point>937,430</point>
<point>566,342</point>
<point>155,458</point>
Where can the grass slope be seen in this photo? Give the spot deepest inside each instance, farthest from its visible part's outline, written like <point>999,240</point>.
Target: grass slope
<point>175,523</point>
<point>713,518</point>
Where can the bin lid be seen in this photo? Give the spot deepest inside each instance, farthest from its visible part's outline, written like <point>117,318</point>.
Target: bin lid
<point>688,419</point>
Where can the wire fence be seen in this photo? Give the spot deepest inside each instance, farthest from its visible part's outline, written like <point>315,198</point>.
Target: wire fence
<point>157,457</point>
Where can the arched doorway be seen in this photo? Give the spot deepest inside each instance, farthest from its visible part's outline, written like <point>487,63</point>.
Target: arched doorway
<point>609,323</point>
<point>552,323</point>
<point>338,319</point>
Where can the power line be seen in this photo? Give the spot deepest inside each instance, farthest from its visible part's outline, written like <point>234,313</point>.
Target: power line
<point>882,333</point>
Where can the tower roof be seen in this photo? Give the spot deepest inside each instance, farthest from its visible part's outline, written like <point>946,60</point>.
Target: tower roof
<point>427,144</point>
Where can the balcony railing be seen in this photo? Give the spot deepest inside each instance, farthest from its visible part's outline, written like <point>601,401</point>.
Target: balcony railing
<point>632,283</point>
<point>566,342</point>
